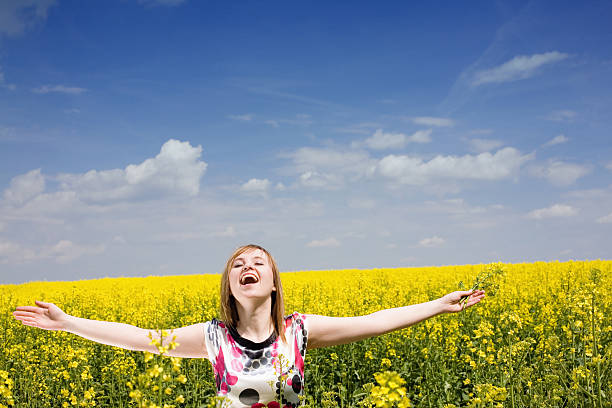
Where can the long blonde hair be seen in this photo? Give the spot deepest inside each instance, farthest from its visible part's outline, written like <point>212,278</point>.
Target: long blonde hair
<point>228,311</point>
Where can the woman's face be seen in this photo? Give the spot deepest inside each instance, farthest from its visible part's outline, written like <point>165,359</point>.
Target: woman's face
<point>251,276</point>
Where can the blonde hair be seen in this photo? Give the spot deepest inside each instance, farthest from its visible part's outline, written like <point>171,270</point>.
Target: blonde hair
<point>228,311</point>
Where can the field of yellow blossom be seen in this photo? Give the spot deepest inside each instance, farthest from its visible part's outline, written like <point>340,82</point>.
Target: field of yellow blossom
<point>542,339</point>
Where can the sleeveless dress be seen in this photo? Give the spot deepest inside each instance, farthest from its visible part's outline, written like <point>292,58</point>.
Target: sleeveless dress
<point>258,375</point>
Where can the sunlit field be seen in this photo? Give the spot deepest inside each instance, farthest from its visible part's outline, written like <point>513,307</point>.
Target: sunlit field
<point>542,339</point>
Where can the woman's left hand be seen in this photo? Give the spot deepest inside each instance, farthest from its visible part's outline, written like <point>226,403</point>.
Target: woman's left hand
<point>453,303</point>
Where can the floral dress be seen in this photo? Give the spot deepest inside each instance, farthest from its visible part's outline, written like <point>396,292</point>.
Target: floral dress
<point>269,374</point>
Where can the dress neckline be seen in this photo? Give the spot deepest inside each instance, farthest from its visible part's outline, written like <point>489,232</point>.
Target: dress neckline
<point>251,345</point>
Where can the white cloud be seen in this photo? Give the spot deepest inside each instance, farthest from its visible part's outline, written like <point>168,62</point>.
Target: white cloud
<point>519,67</point>
<point>300,119</point>
<point>12,253</point>
<point>24,187</point>
<point>325,167</point>
<point>11,87</point>
<point>119,239</point>
<point>65,251</point>
<point>559,139</point>
<point>176,170</point>
<point>561,116</point>
<point>431,242</point>
<point>62,252</point>
<point>17,15</point>
<point>314,179</point>
<point>420,136</point>
<point>485,166</point>
<point>380,140</point>
<point>607,219</point>
<point>484,145</point>
<point>280,186</point>
<point>557,210</point>
<point>609,165</point>
<point>432,121</point>
<point>362,203</point>
<point>363,128</point>
<point>72,90</point>
<point>230,231</point>
<point>254,185</point>
<point>324,243</point>
<point>560,173</point>
<point>8,134</point>
<point>383,141</point>
<point>244,118</point>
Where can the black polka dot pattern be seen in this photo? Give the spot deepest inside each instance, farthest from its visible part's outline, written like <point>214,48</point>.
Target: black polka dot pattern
<point>249,396</point>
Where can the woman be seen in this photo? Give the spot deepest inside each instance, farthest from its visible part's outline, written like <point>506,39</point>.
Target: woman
<point>252,344</point>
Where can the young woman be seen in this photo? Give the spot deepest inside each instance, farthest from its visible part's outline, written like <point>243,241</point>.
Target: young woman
<point>253,342</point>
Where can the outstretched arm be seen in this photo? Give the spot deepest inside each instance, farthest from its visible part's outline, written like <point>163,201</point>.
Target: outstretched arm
<point>47,316</point>
<point>327,331</point>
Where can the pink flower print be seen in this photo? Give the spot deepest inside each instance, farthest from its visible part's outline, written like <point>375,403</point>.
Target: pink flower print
<point>237,365</point>
<point>236,351</point>
<point>299,361</point>
<point>222,376</point>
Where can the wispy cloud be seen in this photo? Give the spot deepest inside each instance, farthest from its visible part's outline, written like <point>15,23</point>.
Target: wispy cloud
<point>560,173</point>
<point>24,187</point>
<point>561,116</point>
<point>298,120</point>
<point>18,15</point>
<point>62,252</point>
<point>431,242</point>
<point>258,186</point>
<point>330,242</point>
<point>432,121</point>
<point>484,145</point>
<point>72,90</point>
<point>607,219</point>
<point>388,140</point>
<point>329,167</point>
<point>247,117</point>
<point>556,210</point>
<point>519,67</point>
<point>363,128</point>
<point>559,139</point>
<point>10,87</point>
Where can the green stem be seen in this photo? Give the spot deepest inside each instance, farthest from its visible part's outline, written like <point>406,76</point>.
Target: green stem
<point>596,351</point>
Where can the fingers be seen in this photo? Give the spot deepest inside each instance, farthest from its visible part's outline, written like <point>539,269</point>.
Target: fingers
<point>24,315</point>
<point>43,304</point>
<point>33,309</point>
<point>475,299</point>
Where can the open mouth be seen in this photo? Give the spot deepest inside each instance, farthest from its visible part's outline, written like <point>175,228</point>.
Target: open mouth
<point>249,278</point>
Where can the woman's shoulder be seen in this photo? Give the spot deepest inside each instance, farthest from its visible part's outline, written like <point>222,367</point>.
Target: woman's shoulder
<point>215,323</point>
<point>295,318</point>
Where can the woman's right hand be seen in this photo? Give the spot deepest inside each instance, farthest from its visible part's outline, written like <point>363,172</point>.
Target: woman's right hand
<point>46,316</point>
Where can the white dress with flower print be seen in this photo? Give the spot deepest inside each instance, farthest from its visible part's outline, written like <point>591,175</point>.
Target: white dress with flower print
<point>247,373</point>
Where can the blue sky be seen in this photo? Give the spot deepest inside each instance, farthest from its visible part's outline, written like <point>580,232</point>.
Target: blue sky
<point>153,137</point>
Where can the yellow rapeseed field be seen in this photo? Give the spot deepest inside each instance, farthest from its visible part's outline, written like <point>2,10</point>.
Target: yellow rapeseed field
<point>541,340</point>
